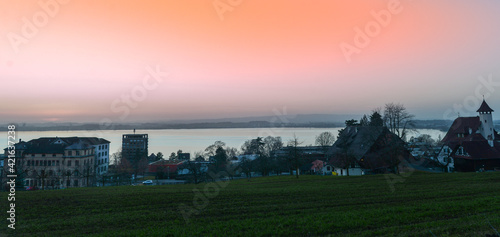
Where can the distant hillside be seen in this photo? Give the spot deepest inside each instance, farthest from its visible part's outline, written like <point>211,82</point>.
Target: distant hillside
<point>301,120</point>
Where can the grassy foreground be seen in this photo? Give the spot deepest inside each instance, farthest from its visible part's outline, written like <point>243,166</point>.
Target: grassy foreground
<point>464,204</point>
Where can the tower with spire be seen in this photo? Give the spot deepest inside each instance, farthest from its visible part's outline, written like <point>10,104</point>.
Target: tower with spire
<point>486,118</point>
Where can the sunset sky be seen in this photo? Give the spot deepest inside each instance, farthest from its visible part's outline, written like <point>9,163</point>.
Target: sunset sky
<point>75,61</point>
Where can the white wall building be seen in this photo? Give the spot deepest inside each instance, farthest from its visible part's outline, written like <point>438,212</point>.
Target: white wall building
<point>352,171</point>
<point>101,153</point>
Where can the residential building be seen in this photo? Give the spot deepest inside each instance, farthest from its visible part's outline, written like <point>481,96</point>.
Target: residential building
<point>101,153</point>
<point>134,147</point>
<point>372,149</point>
<point>471,143</point>
<point>2,159</point>
<point>56,162</point>
<point>165,169</point>
<point>321,167</point>
<point>238,159</point>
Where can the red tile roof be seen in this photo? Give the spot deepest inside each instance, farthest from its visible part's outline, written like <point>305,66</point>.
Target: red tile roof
<point>463,125</point>
<point>473,143</point>
<point>480,150</point>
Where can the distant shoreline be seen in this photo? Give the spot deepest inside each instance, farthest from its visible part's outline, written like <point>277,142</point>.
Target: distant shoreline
<point>421,124</point>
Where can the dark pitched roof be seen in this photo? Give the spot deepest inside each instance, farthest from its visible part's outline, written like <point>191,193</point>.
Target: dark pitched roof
<point>484,108</point>
<point>480,149</point>
<point>372,147</point>
<point>57,145</point>
<point>44,145</point>
<point>462,125</point>
<point>95,140</point>
<point>357,140</point>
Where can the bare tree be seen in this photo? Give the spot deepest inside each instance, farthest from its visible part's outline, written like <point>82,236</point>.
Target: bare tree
<point>246,166</point>
<point>253,146</point>
<point>232,152</point>
<point>66,176</point>
<point>123,170</point>
<point>345,156</point>
<point>194,169</point>
<point>271,144</point>
<point>398,120</point>
<point>197,155</point>
<point>143,165</point>
<point>295,156</point>
<point>88,173</point>
<point>211,150</point>
<point>325,140</point>
<point>42,175</point>
<point>103,178</point>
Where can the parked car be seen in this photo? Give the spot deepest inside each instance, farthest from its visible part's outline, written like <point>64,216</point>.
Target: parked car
<point>148,182</point>
<point>32,188</point>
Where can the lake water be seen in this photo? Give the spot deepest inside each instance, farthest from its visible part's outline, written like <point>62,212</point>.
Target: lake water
<point>192,140</point>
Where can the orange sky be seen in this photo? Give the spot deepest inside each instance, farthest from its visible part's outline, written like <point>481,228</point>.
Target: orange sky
<point>263,55</point>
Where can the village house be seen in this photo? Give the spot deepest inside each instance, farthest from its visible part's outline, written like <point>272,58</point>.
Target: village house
<point>59,162</point>
<point>471,143</point>
<point>165,169</point>
<point>368,149</point>
<point>321,167</point>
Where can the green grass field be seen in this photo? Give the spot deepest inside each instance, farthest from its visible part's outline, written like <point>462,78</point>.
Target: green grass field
<point>461,204</point>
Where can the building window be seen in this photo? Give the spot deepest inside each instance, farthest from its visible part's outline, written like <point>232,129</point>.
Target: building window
<point>57,162</point>
<point>76,163</point>
<point>53,155</point>
<point>70,153</point>
<point>461,151</point>
<point>32,155</point>
<point>77,153</point>
<point>43,155</point>
<point>68,183</point>
<point>75,183</point>
<point>69,163</point>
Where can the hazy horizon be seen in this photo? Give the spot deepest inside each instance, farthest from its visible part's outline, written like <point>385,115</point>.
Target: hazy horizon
<point>89,61</point>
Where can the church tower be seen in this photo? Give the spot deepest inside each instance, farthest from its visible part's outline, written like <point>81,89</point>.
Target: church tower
<point>486,119</point>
